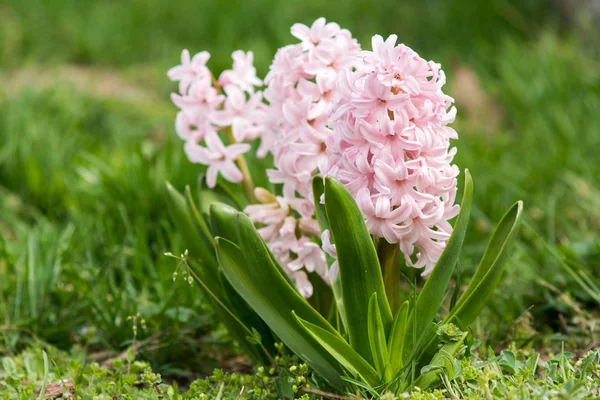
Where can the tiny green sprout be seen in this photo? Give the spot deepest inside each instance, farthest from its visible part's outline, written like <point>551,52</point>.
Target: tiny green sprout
<point>293,368</point>
<point>449,333</point>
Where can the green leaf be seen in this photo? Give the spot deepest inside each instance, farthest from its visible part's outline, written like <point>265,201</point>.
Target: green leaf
<point>377,336</point>
<point>489,272</point>
<point>432,295</point>
<point>257,255</point>
<point>321,214</point>
<point>396,337</point>
<point>508,361</point>
<point>342,352</point>
<point>359,270</point>
<point>250,271</point>
<point>223,221</point>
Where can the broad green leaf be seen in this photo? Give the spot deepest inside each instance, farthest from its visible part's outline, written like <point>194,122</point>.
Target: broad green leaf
<point>396,337</point>
<point>432,295</point>
<point>377,336</point>
<point>250,271</point>
<point>257,255</point>
<point>342,352</point>
<point>321,214</point>
<point>359,270</point>
<point>224,221</point>
<point>490,269</point>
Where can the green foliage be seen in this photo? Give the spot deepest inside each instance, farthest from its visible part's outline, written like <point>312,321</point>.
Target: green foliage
<point>33,373</point>
<point>252,271</point>
<point>512,375</point>
<point>140,32</point>
<point>84,229</point>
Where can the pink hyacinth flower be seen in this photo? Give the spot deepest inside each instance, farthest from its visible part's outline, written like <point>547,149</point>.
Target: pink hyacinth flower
<point>220,159</point>
<point>390,147</point>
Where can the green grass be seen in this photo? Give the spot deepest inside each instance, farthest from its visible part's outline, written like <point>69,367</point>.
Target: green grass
<point>87,143</point>
<point>84,228</point>
<point>510,374</point>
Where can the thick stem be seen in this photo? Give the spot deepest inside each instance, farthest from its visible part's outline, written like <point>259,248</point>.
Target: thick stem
<point>388,254</point>
<point>243,166</point>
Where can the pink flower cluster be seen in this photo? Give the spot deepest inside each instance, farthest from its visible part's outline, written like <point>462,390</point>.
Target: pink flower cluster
<point>375,120</point>
<point>301,86</point>
<point>391,148</point>
<point>208,106</point>
<point>288,237</point>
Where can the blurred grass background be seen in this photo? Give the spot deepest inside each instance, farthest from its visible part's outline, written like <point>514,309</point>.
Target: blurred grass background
<point>87,142</point>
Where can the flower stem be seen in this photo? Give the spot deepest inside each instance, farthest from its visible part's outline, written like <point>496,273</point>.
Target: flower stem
<point>388,254</point>
<point>243,166</point>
